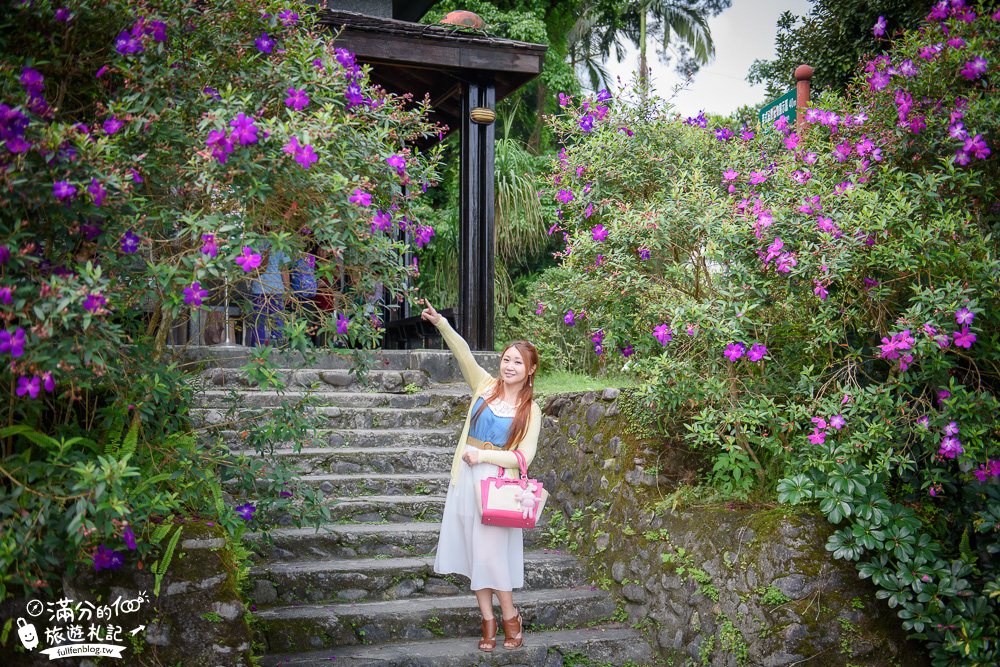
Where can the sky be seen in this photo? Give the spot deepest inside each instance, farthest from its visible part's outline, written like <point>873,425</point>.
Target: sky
<point>742,34</point>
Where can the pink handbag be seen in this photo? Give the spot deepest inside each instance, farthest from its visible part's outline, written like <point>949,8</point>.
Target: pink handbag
<point>512,503</point>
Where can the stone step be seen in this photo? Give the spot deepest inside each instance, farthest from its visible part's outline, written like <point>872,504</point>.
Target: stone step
<point>370,484</point>
<point>363,579</point>
<point>335,417</point>
<point>323,625</point>
<point>348,540</point>
<point>329,380</point>
<point>358,460</point>
<point>379,440</point>
<point>605,645</point>
<point>388,509</point>
<point>435,396</point>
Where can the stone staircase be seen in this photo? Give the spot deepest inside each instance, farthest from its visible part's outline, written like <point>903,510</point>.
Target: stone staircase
<point>361,590</point>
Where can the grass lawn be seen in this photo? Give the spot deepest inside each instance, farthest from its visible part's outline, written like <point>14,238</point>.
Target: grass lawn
<point>560,382</point>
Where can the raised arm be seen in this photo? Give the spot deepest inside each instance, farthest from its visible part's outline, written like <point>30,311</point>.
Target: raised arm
<point>474,374</point>
<point>528,445</point>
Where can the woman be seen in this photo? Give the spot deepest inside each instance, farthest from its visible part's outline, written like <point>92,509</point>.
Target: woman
<point>501,412</point>
<point>269,297</point>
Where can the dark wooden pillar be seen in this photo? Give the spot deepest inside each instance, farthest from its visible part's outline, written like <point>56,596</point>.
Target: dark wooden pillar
<point>475,253</point>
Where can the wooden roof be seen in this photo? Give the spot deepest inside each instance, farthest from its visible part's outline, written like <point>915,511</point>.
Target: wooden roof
<point>434,59</point>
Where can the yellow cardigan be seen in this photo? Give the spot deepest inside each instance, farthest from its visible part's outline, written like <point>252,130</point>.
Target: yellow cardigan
<point>481,383</point>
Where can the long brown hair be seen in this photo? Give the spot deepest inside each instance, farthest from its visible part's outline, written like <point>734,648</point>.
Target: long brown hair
<point>519,426</point>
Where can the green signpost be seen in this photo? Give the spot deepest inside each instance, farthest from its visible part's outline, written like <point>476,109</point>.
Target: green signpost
<point>783,106</point>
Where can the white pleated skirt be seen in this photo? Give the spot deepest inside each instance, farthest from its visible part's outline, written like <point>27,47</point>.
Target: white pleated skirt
<point>490,556</point>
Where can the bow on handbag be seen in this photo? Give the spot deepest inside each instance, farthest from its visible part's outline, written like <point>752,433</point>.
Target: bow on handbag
<point>509,502</point>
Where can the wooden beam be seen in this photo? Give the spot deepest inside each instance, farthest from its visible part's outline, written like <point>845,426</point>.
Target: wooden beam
<point>475,258</point>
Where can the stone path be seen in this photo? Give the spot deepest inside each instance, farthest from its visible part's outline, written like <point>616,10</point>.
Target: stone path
<point>361,590</point>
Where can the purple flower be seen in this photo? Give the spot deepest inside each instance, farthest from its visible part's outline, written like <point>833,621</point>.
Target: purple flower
<point>878,81</point>
<point>129,538</point>
<point>943,395</point>
<point>112,125</point>
<point>964,316</point>
<point>964,338</point>
<point>381,221</point>
<point>879,28</point>
<point>360,197</point>
<point>570,318</point>
<point>342,323</point>
<point>924,421</point>
<point>723,134</point>
<point>397,162</point>
<point>209,246</point>
<point>540,309</point>
<point>63,15</point>
<point>951,447</point>
<point>757,352</point>
<point>127,43</point>
<point>589,211</point>
<point>627,351</point>
<point>297,99</point>
<point>130,242</point>
<point>599,233</point>
<point>244,131</point>
<point>64,191</point>
<point>94,302</point>
<point>194,294</point>
<point>264,43</point>
<point>423,235</point>
<point>586,123</point>
<point>603,95</point>
<point>663,333</point>
<point>6,296</point>
<point>106,559</point>
<point>734,351</point>
<point>820,290</point>
<point>643,253</point>
<point>158,31</point>
<point>757,177</point>
<point>730,175</point>
<point>288,17</point>
<point>306,156</point>
<point>345,58</point>
<point>564,99</point>
<point>597,337</point>
<point>4,254</point>
<point>838,422</point>
<point>975,68</point>
<point>246,511</point>
<point>13,343</point>
<point>48,382</point>
<point>818,437</point>
<point>101,72</point>
<point>97,192</point>
<point>29,386</point>
<point>892,347</point>
<point>221,145</point>
<point>746,134</point>
<point>33,81</point>
<point>248,260</point>
<point>951,428</point>
<point>564,196</point>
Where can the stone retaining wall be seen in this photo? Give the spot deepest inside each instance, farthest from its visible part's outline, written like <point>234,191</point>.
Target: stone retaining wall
<point>719,585</point>
<point>198,619</point>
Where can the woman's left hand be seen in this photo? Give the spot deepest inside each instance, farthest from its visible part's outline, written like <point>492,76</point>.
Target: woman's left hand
<point>471,457</point>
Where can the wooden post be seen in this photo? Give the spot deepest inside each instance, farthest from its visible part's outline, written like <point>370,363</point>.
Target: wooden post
<point>475,256</point>
<point>803,77</point>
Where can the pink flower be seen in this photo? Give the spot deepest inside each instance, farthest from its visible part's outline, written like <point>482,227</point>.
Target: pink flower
<point>951,447</point>
<point>730,175</point>
<point>599,233</point>
<point>964,316</point>
<point>360,197</point>
<point>819,290</point>
<point>248,260</point>
<point>342,324</point>
<point>838,422</point>
<point>397,162</point>
<point>818,437</point>
<point>951,428</point>
<point>964,338</point>
<point>734,351</point>
<point>820,422</point>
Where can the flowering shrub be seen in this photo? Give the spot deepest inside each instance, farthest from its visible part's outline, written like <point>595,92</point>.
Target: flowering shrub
<point>152,154</point>
<point>816,307</point>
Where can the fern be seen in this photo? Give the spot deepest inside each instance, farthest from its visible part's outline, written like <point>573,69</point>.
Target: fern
<point>159,568</point>
<point>965,549</point>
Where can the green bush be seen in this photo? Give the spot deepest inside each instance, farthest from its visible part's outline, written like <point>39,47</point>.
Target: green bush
<point>149,152</point>
<point>816,309</point>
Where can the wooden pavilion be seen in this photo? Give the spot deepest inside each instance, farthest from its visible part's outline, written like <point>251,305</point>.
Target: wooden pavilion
<point>460,71</point>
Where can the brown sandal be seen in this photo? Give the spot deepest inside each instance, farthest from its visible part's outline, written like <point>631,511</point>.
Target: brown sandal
<point>511,629</point>
<point>489,640</point>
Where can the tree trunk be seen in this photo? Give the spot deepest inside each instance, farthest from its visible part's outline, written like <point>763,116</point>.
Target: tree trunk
<point>643,73</point>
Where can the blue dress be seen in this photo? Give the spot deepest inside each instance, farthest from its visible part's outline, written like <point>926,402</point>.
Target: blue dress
<point>490,556</point>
